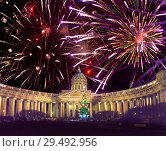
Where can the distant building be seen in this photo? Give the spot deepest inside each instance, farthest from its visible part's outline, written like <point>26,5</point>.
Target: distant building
<point>15,102</point>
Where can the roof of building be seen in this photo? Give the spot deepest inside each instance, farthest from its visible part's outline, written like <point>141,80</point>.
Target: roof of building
<point>78,76</point>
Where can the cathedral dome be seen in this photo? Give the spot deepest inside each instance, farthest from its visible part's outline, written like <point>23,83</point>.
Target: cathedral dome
<point>79,81</point>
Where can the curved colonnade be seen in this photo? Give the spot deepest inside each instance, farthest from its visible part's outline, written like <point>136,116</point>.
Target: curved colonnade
<point>147,95</point>
<point>66,104</point>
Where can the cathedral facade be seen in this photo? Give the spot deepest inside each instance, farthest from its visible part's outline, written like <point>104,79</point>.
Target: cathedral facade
<point>14,102</point>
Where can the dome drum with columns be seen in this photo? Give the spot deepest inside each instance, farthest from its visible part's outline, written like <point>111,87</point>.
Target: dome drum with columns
<point>79,81</point>
<point>15,101</point>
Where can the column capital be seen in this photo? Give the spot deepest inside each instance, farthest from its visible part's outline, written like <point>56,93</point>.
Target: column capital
<point>11,98</point>
<point>27,101</point>
<point>5,97</point>
<point>17,99</point>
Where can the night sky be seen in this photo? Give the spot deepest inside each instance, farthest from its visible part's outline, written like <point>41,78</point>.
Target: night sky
<point>125,77</point>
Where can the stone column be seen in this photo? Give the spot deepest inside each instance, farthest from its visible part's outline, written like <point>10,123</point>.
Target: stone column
<point>50,109</point>
<point>38,106</point>
<point>158,97</point>
<point>61,109</point>
<point>144,102</point>
<point>105,106</point>
<point>150,107</point>
<point>27,105</point>
<point>56,110</point>
<point>99,106</point>
<point>74,114</point>
<point>154,99</point>
<point>147,101</point>
<point>35,102</point>
<point>4,101</point>
<point>137,103</point>
<point>163,95</point>
<point>159,104</point>
<point>32,105</point>
<point>102,106</point>
<point>19,106</point>
<point>11,106</point>
<point>154,110</point>
<point>150,100</point>
<point>113,106</point>
<point>140,102</point>
<point>161,78</point>
<point>67,109</point>
<point>125,106</point>
<point>109,106</point>
<point>96,108</point>
<point>44,107</point>
<point>53,110</point>
<point>90,109</point>
<point>119,107</point>
<point>131,104</point>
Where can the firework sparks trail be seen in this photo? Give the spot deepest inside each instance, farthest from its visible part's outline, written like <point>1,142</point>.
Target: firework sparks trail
<point>130,29</point>
<point>36,42</point>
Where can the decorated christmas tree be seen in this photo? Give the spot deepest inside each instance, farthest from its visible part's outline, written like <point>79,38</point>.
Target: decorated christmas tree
<point>84,109</point>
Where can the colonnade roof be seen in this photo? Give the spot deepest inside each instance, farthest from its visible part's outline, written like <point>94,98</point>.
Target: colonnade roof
<point>3,86</point>
<point>146,89</point>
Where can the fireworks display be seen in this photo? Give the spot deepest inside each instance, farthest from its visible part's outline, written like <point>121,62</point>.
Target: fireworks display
<point>34,38</point>
<point>100,36</point>
<point>125,32</point>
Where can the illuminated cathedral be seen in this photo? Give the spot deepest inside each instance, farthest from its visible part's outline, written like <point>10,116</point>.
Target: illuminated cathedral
<point>17,102</point>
